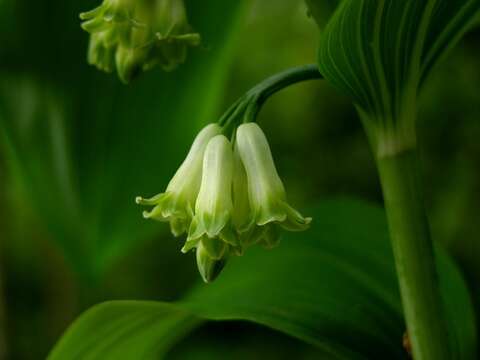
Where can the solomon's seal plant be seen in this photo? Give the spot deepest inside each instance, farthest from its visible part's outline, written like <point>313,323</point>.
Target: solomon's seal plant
<point>136,35</point>
<point>227,194</point>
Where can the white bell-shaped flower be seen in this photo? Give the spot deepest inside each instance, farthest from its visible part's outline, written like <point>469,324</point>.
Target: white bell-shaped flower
<point>267,197</point>
<point>211,230</point>
<point>214,207</point>
<point>176,204</point>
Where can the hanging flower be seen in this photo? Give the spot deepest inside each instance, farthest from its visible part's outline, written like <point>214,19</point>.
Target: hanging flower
<point>173,36</point>
<point>227,197</point>
<point>267,197</point>
<point>211,230</point>
<point>110,26</point>
<point>242,219</point>
<point>227,194</point>
<point>137,35</point>
<point>176,204</point>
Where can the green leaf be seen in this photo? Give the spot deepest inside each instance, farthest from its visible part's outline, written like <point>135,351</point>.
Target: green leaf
<point>380,51</point>
<point>83,145</point>
<point>333,287</point>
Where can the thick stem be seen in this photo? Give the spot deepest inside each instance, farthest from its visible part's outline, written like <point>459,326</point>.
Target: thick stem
<point>413,252</point>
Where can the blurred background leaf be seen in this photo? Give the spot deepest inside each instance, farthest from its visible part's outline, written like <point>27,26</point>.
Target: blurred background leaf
<point>291,289</point>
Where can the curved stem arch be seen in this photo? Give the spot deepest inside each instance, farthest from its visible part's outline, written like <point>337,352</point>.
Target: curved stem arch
<point>246,108</point>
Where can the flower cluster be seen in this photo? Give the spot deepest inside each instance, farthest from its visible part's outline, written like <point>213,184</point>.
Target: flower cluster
<point>136,35</point>
<point>226,197</point>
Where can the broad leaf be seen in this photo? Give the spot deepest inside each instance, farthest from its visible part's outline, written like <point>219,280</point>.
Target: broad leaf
<point>85,145</point>
<point>333,287</point>
<point>379,51</point>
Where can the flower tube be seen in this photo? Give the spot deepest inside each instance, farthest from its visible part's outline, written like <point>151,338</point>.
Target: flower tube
<point>211,230</point>
<point>176,204</point>
<point>266,192</point>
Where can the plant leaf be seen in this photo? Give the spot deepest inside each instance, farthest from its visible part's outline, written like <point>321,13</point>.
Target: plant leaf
<point>379,52</point>
<point>85,145</point>
<point>333,287</point>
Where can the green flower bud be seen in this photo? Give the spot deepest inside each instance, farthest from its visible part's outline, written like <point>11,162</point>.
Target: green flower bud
<point>266,192</point>
<point>176,204</point>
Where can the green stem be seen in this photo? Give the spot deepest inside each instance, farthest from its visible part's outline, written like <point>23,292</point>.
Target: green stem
<point>413,252</point>
<point>247,107</point>
<point>277,82</point>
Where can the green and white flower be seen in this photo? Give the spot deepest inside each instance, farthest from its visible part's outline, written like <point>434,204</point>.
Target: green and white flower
<point>176,204</point>
<point>211,230</point>
<point>173,36</point>
<point>110,26</point>
<point>267,196</point>
<point>136,35</point>
<point>242,219</point>
<point>228,197</point>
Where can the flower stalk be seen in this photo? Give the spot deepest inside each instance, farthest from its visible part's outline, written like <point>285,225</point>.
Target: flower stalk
<point>246,108</point>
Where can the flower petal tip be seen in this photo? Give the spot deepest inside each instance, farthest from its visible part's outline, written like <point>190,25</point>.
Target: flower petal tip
<point>271,218</point>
